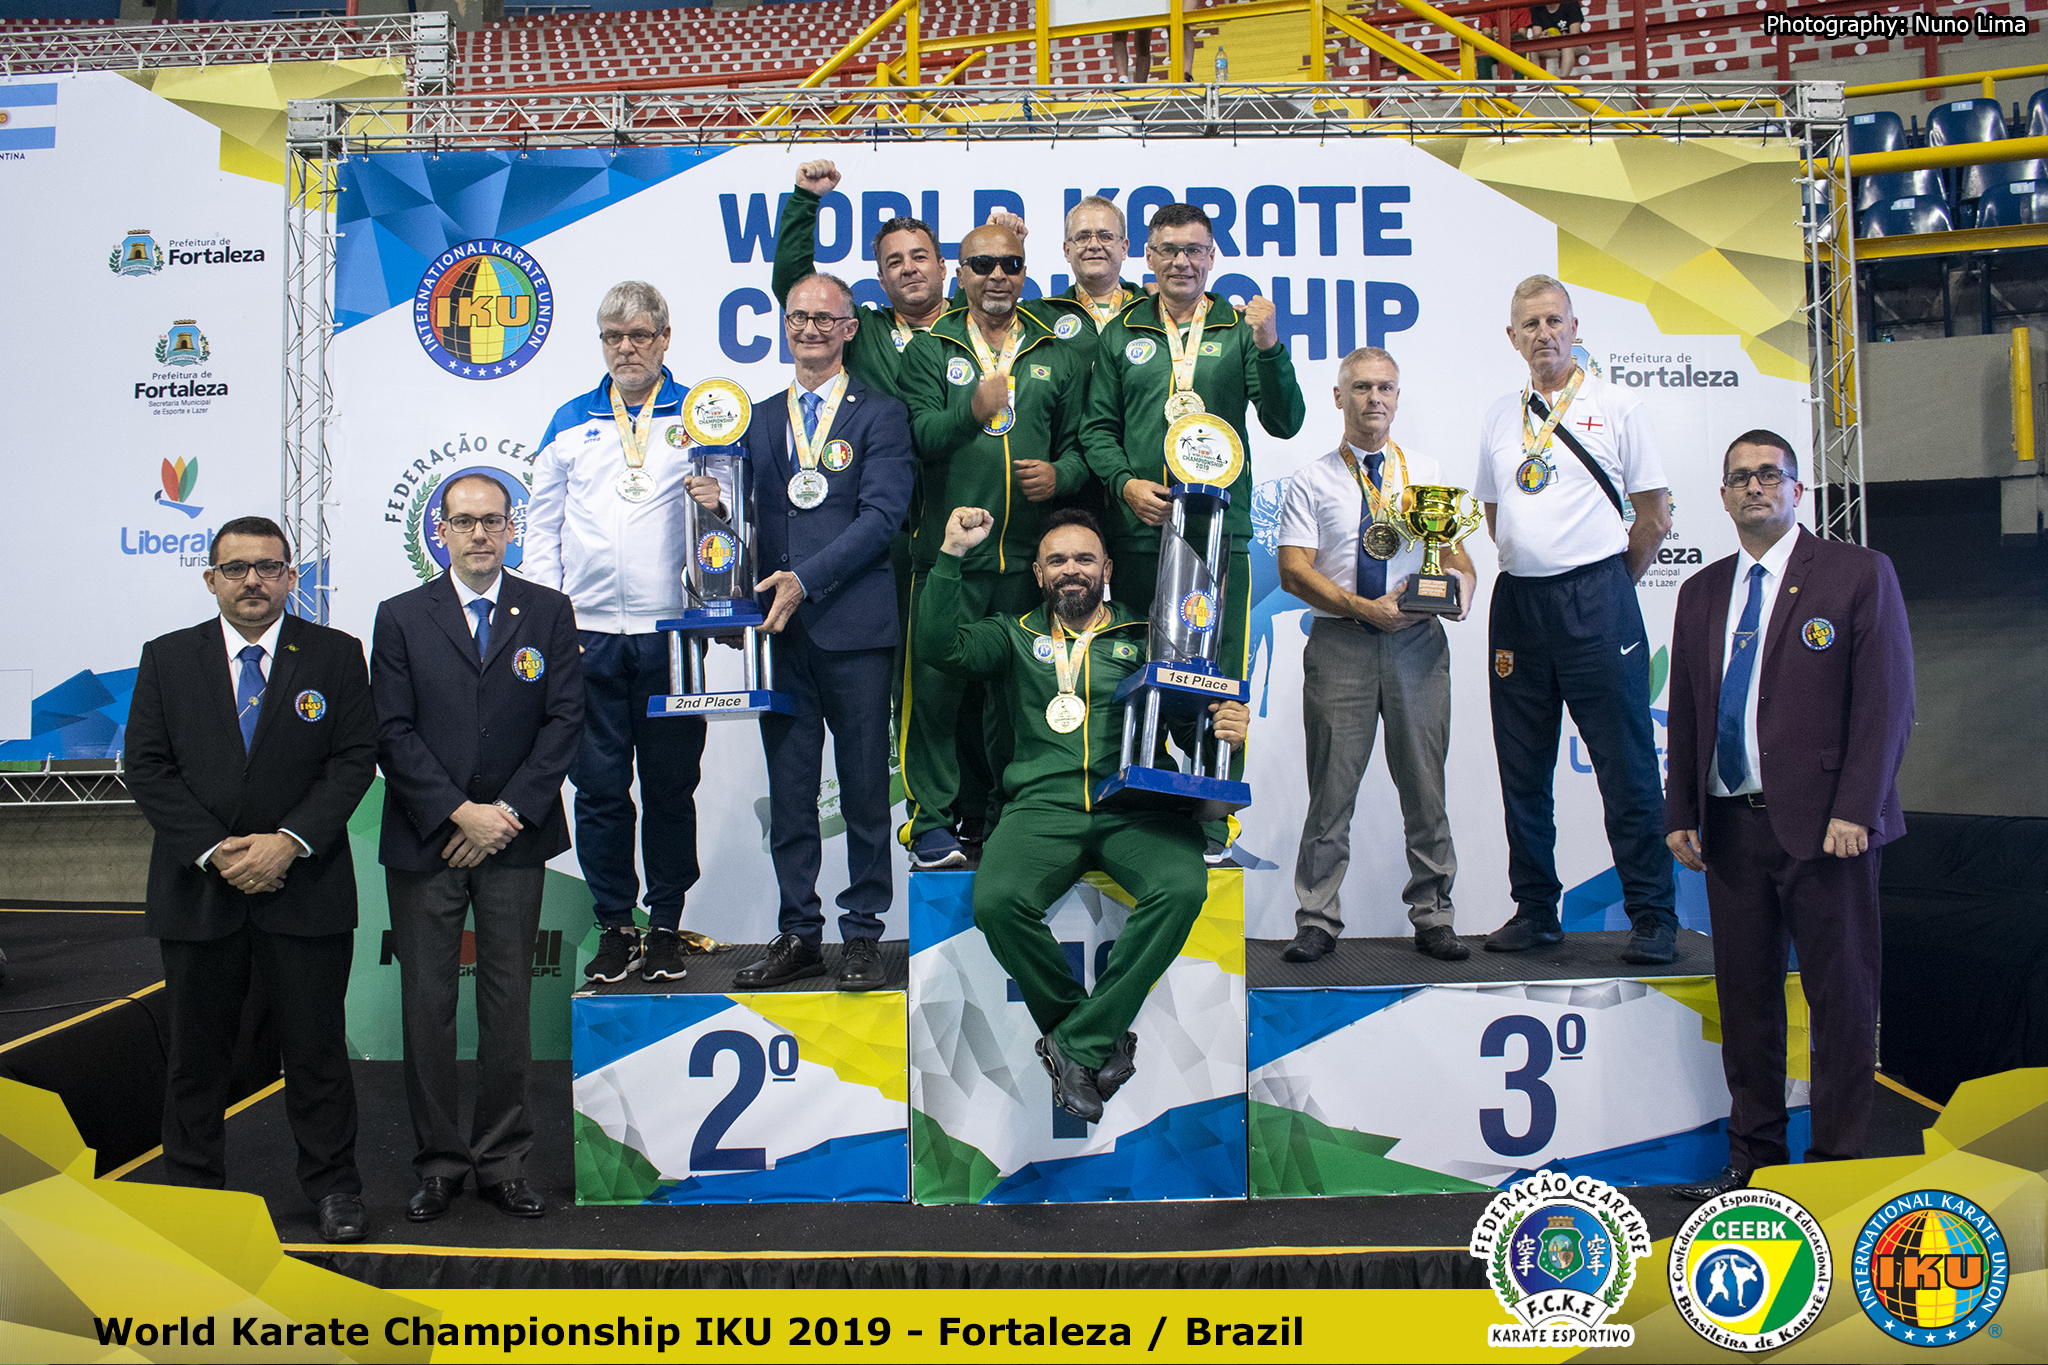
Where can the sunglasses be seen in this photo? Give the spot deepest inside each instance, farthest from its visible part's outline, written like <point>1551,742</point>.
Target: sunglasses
<point>987,265</point>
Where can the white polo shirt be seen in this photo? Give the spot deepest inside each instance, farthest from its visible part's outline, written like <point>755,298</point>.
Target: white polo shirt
<point>1324,506</point>
<point>1570,522</point>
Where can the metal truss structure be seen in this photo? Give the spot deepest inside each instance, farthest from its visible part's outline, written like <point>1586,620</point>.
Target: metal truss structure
<point>76,783</point>
<point>421,41</point>
<point>1806,115</point>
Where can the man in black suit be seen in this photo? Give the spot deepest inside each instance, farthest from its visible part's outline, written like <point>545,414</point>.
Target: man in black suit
<point>251,739</point>
<point>831,469</point>
<point>479,696</point>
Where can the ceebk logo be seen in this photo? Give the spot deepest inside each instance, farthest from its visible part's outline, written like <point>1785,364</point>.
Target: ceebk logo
<point>1560,1253</point>
<point>178,478</point>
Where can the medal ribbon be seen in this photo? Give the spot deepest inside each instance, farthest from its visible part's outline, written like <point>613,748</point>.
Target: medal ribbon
<point>1535,443</point>
<point>1185,352</point>
<point>1373,498</point>
<point>1103,314</point>
<point>633,431</point>
<point>1068,666</point>
<point>990,362</point>
<point>808,448</point>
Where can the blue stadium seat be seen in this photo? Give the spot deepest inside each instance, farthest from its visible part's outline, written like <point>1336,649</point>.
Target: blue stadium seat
<point>1906,217</point>
<point>2021,201</point>
<point>1965,121</point>
<point>1884,132</point>
<point>2037,114</point>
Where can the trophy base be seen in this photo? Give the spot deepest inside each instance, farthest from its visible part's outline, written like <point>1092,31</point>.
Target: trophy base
<point>720,705</point>
<point>727,618</point>
<point>1161,789</point>
<point>1432,594</point>
<point>1184,688</point>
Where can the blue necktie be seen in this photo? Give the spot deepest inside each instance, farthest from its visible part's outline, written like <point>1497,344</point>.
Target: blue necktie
<point>249,693</point>
<point>1372,573</point>
<point>811,404</point>
<point>1730,755</point>
<point>481,610</point>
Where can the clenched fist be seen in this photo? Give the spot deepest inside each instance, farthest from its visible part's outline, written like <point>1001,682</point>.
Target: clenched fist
<point>1265,324</point>
<point>819,177</point>
<point>965,529</point>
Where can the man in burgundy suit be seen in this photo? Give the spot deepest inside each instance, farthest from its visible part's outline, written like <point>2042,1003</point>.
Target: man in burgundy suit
<point>1791,704</point>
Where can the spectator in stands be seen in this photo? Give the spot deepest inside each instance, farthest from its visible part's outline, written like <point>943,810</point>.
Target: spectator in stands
<point>1096,246</point>
<point>996,403</point>
<point>479,692</point>
<point>1056,668</point>
<point>1567,629</point>
<point>1551,21</point>
<point>608,525</point>
<point>1367,661</point>
<point>1516,22</point>
<point>1791,706</point>
<point>1131,51</point>
<point>251,739</point>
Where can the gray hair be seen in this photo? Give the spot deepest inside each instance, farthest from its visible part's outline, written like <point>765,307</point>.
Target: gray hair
<point>1537,285</point>
<point>1365,353</point>
<point>628,299</point>
<point>1096,201</point>
<point>845,289</point>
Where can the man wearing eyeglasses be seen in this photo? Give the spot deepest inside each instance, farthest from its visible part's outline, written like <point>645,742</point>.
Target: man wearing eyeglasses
<point>479,694</point>
<point>1566,629</point>
<point>1185,350</point>
<point>251,739</point>
<point>1791,706</point>
<point>995,407</point>
<point>830,468</point>
<point>608,524</point>
<point>1095,247</point>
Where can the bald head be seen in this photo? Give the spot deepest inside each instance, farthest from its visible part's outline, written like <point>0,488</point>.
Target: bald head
<point>992,290</point>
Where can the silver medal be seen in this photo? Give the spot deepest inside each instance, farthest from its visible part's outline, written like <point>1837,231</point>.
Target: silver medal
<point>808,489</point>
<point>636,485</point>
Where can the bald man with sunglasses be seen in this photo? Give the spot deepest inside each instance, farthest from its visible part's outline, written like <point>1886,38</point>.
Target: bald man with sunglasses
<point>996,402</point>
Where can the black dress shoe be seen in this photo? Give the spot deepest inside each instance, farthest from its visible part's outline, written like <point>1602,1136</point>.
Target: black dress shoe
<point>1652,941</point>
<point>1729,1179</point>
<point>1521,933</point>
<point>1118,1067</point>
<point>343,1219</point>
<point>860,966</point>
<point>432,1198</point>
<point>1440,941</point>
<point>1073,1085</point>
<point>1310,943</point>
<point>789,957</point>
<point>515,1197</point>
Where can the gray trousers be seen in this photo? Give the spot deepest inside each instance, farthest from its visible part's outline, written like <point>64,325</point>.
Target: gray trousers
<point>428,910</point>
<point>1352,679</point>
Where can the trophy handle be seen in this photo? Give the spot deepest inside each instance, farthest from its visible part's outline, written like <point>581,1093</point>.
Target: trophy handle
<point>1469,521</point>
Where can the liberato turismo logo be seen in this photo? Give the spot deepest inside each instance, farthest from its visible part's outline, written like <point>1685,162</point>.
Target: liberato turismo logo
<point>1560,1253</point>
<point>178,480</point>
<point>1930,1268</point>
<point>483,309</point>
<point>1750,1270</point>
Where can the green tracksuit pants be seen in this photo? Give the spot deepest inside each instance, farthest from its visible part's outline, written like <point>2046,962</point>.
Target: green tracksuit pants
<point>1033,857</point>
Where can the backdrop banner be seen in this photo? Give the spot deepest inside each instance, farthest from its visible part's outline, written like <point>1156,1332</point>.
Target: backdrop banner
<point>468,282</point>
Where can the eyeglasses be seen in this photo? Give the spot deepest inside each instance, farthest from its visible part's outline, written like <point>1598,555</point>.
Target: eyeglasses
<point>1768,476</point>
<point>1166,251</point>
<point>986,265</point>
<point>616,339</point>
<point>803,322</point>
<point>462,523</point>
<point>235,570</point>
<point>1101,238</point>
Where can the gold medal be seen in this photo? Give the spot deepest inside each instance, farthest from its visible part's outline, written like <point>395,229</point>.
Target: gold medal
<point>991,363</point>
<point>1183,404</point>
<point>1382,541</point>
<point>636,485</point>
<point>1065,712</point>
<point>1184,401</point>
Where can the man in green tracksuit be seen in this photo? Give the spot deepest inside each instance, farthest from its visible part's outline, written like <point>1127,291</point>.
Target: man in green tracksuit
<point>995,412</point>
<point>1185,341</point>
<point>1056,669</point>
<point>1095,247</point>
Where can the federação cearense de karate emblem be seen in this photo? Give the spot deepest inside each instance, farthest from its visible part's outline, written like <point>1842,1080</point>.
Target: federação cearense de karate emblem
<point>1560,1253</point>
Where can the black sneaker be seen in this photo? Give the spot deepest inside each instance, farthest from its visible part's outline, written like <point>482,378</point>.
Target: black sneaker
<point>1441,941</point>
<point>1073,1085</point>
<point>618,953</point>
<point>1118,1068</point>
<point>664,956</point>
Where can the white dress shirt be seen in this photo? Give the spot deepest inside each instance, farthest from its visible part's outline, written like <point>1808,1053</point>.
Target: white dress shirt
<point>236,643</point>
<point>463,597</point>
<point>1324,506</point>
<point>1774,581</point>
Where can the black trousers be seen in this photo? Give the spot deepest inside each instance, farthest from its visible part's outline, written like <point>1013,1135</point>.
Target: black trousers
<point>428,910</point>
<point>1760,897</point>
<point>847,689</point>
<point>306,979</point>
<point>1577,640</point>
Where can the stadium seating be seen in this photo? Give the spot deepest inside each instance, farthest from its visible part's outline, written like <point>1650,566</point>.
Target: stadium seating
<point>1906,217</point>
<point>1886,132</point>
<point>1956,123</point>
<point>2014,203</point>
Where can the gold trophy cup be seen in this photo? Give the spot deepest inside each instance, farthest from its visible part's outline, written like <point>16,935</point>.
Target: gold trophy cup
<point>1429,513</point>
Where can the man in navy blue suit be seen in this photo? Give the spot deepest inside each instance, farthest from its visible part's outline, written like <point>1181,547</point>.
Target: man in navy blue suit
<point>479,692</point>
<point>831,468</point>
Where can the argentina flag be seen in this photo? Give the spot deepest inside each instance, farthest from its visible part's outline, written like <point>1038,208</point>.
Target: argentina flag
<point>28,117</point>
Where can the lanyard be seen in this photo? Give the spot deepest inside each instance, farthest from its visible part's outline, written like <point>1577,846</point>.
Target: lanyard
<point>1185,352</point>
<point>1373,499</point>
<point>1068,666</point>
<point>1535,443</point>
<point>991,363</point>
<point>1103,314</point>
<point>808,447</point>
<point>633,433</point>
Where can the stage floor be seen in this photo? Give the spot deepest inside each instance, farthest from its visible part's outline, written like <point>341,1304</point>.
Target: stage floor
<point>1591,956</point>
<point>64,957</point>
<point>712,974</point>
<point>1390,1241</point>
